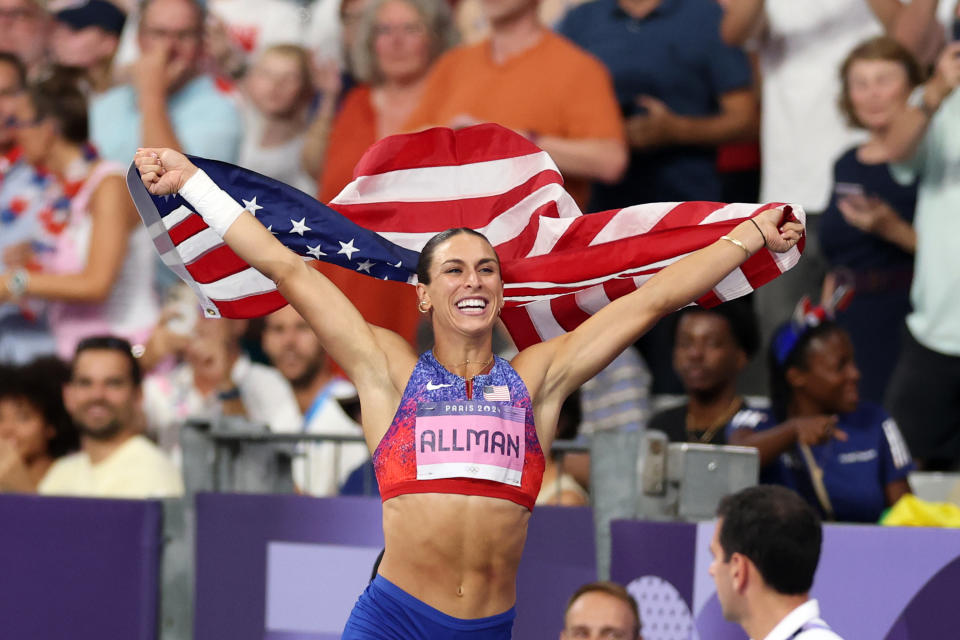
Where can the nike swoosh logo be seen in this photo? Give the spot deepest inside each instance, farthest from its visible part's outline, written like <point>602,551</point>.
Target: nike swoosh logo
<point>434,387</point>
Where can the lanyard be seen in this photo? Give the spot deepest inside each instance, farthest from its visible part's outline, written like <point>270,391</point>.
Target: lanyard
<point>318,402</point>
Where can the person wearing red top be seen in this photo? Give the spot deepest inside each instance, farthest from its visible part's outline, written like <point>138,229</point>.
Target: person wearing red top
<point>465,431</point>
<point>396,43</point>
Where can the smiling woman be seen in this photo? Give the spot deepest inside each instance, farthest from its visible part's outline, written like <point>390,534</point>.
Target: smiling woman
<point>845,456</point>
<point>454,520</point>
<point>867,228</point>
<point>35,429</point>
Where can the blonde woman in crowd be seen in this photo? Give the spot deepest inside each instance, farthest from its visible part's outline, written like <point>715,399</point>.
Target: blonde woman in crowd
<point>278,89</point>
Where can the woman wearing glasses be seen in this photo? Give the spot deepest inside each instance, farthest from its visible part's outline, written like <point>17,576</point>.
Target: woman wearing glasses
<point>93,265</point>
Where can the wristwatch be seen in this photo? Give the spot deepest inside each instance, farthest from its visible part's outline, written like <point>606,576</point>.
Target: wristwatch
<point>17,284</point>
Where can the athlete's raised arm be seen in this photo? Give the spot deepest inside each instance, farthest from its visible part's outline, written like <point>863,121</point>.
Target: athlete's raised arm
<point>365,354</point>
<point>555,368</point>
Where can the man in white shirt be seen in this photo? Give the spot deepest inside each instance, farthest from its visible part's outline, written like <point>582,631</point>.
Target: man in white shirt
<point>765,548</point>
<point>296,352</point>
<point>115,461</point>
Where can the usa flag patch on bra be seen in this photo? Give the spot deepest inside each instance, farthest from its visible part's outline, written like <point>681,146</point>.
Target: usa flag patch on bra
<point>496,393</point>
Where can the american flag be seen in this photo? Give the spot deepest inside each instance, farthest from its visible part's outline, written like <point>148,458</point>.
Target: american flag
<point>559,266</point>
<point>496,393</point>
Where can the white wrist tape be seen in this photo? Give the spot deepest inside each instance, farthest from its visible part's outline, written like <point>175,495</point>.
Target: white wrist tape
<point>214,205</point>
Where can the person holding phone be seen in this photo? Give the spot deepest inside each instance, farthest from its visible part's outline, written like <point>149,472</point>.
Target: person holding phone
<point>866,231</point>
<point>844,455</point>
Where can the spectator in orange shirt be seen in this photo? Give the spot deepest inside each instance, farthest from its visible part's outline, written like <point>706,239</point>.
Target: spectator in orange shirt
<point>537,83</point>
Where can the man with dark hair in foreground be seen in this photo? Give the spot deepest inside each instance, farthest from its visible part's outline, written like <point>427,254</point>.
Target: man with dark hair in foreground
<point>115,461</point>
<point>765,548</point>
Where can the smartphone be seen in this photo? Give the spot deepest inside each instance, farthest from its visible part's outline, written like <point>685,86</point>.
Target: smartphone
<point>846,189</point>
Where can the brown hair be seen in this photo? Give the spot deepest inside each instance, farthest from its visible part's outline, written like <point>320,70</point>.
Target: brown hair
<point>59,96</point>
<point>611,589</point>
<point>426,254</point>
<point>879,48</point>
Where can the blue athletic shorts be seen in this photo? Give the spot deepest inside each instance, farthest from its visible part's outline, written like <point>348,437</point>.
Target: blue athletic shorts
<point>386,612</point>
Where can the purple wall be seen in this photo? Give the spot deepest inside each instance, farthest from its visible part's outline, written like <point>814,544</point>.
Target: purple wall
<point>560,555</point>
<point>290,567</point>
<point>233,536</point>
<point>78,568</point>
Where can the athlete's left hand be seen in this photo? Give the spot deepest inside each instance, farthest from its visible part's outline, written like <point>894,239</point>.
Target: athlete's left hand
<point>781,230</point>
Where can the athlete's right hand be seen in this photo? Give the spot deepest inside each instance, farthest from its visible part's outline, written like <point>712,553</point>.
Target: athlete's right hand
<point>163,171</point>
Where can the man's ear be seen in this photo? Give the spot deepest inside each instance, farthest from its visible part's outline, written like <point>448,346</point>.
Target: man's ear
<point>740,569</point>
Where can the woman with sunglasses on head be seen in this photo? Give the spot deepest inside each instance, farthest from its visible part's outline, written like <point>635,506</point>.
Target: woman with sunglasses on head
<point>457,434</point>
<point>845,455</point>
<point>96,274</point>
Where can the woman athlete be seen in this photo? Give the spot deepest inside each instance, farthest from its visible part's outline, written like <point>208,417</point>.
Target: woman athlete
<point>457,434</point>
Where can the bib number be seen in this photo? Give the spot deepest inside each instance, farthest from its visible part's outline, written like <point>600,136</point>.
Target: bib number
<point>470,439</point>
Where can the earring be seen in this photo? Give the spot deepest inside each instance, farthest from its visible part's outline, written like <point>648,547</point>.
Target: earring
<point>420,307</point>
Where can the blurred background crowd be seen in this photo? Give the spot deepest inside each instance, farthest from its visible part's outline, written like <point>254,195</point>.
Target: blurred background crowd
<point>844,373</point>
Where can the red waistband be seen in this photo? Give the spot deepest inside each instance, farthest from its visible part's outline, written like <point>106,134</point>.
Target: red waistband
<point>461,486</point>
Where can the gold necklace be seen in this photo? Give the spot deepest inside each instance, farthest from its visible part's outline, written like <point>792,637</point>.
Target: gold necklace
<point>707,434</point>
<point>483,365</point>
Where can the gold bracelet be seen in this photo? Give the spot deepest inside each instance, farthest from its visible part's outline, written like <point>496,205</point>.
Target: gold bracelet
<point>738,243</point>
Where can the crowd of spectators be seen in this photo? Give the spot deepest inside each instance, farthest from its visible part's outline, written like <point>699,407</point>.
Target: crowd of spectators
<point>845,107</point>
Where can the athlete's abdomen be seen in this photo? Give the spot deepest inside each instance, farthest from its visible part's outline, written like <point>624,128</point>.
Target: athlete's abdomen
<point>457,553</point>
